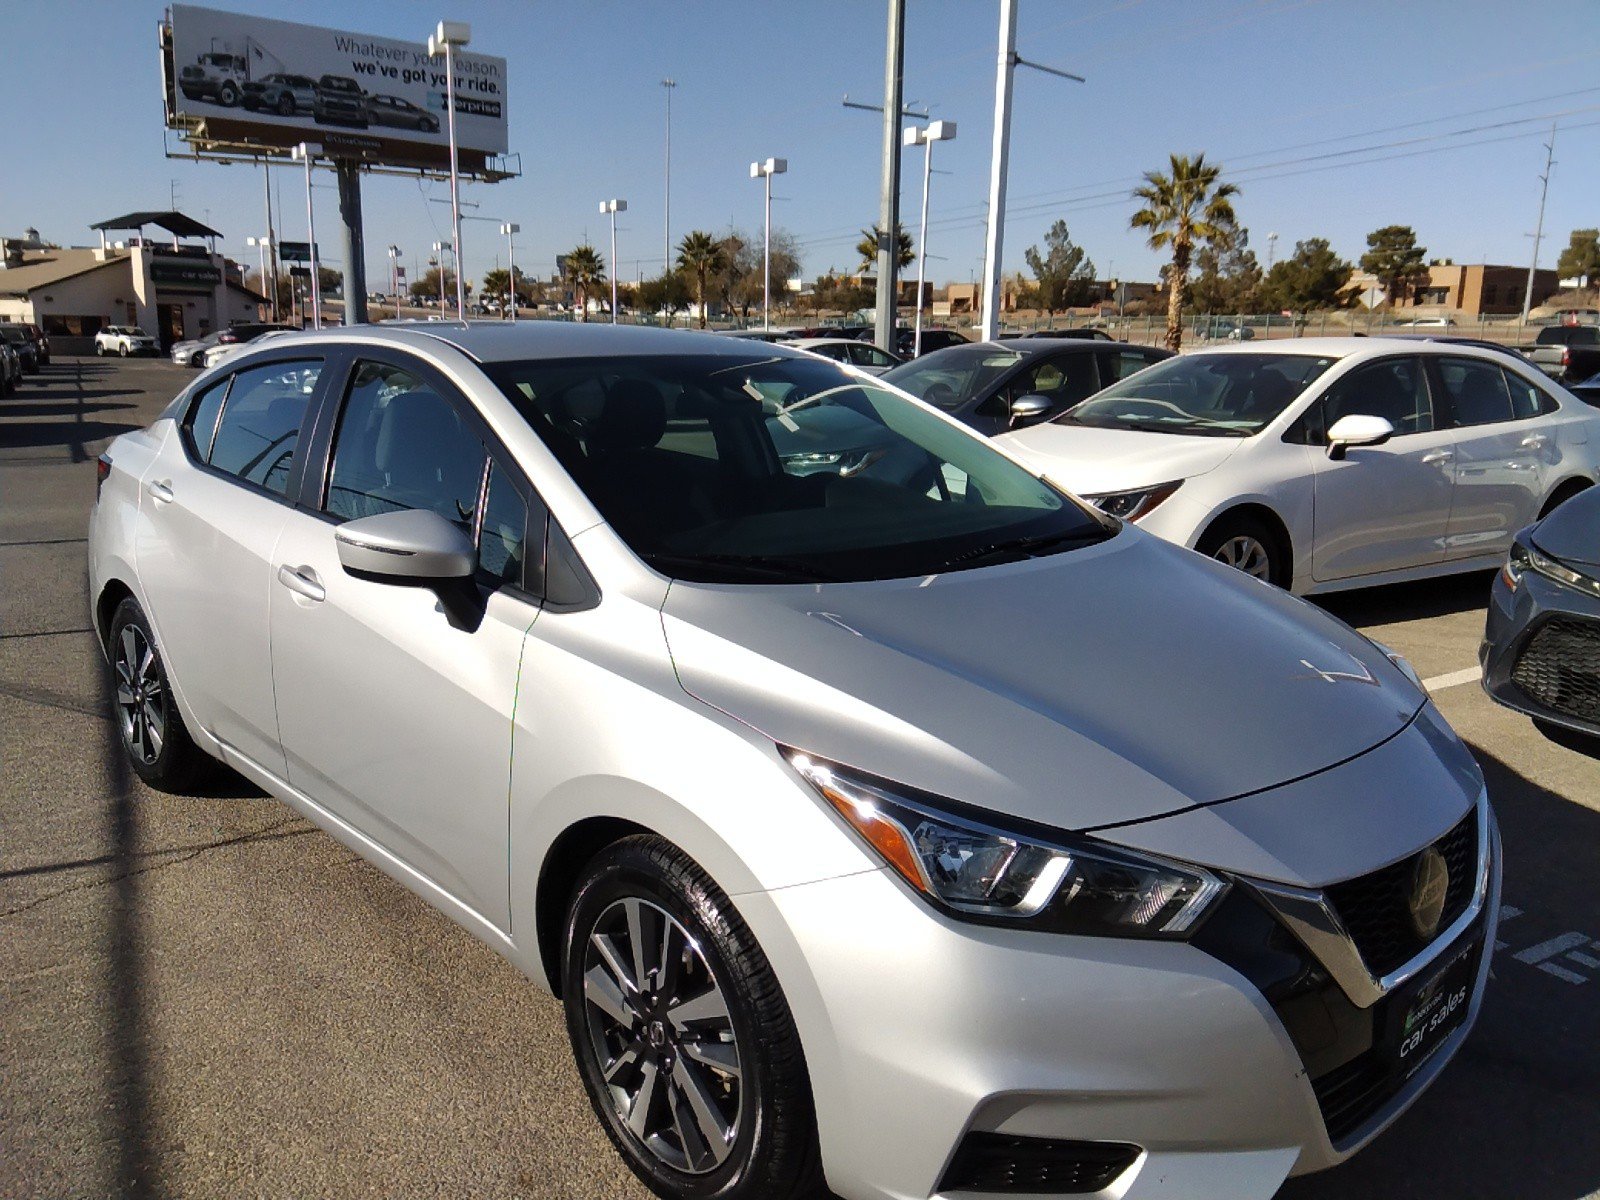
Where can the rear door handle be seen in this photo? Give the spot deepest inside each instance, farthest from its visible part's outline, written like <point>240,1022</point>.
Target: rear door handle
<point>1439,456</point>
<point>302,581</point>
<point>1535,441</point>
<point>160,489</point>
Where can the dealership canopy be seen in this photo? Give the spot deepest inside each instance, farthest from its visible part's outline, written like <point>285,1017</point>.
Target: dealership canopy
<point>174,223</point>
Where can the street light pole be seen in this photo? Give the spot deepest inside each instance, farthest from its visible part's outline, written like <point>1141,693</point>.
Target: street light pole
<point>305,152</point>
<point>614,207</point>
<point>934,131</point>
<point>261,244</point>
<point>511,229</point>
<point>765,171</point>
<point>666,209</point>
<point>889,188</point>
<point>447,37</point>
<point>438,249</point>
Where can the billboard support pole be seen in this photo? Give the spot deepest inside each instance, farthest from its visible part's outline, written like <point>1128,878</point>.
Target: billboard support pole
<point>306,152</point>
<point>270,280</point>
<point>355,257</point>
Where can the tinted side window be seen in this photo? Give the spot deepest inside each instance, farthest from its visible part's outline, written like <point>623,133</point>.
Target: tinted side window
<point>1395,389</point>
<point>1064,379</point>
<point>501,540</point>
<point>201,424</point>
<point>401,445</point>
<point>1526,398</point>
<point>260,424</point>
<point>1119,364</point>
<point>1477,391</point>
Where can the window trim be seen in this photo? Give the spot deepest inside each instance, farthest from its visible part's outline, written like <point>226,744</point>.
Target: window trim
<point>1300,430</point>
<point>185,405</point>
<point>1435,362</point>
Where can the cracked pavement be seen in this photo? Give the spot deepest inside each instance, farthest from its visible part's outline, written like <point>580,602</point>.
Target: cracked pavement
<point>205,996</point>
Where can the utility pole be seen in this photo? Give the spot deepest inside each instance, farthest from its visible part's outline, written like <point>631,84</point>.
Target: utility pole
<point>889,198</point>
<point>994,241</point>
<point>1538,230</point>
<point>666,207</point>
<point>448,36</point>
<point>270,279</point>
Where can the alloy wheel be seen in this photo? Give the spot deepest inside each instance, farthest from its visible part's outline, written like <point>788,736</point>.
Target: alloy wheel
<point>661,1034</point>
<point>1246,554</point>
<point>141,695</point>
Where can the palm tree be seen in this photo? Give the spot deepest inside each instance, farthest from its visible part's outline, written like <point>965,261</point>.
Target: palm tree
<point>1181,209</point>
<point>584,270</point>
<point>702,256</point>
<point>867,247</point>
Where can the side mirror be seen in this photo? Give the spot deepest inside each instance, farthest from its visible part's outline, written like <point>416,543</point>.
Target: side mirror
<point>1029,408</point>
<point>411,546</point>
<point>1357,429</point>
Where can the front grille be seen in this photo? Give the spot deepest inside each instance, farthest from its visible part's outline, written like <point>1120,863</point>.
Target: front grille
<point>1375,907</point>
<point>1350,1094</point>
<point>998,1162</point>
<point>1559,668</point>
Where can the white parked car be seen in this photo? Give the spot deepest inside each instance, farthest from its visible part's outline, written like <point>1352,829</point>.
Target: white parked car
<point>1328,463</point>
<point>217,353</point>
<point>125,340</point>
<point>864,355</point>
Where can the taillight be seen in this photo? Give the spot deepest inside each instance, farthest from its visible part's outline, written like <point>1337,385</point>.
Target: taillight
<point>1566,356</point>
<point>102,469</point>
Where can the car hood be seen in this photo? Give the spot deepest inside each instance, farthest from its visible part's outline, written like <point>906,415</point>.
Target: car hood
<point>1108,684</point>
<point>1572,532</point>
<point>1090,461</point>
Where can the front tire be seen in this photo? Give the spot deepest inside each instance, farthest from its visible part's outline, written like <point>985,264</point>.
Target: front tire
<point>682,1035</point>
<point>154,738</point>
<point>1247,544</point>
<point>122,350</point>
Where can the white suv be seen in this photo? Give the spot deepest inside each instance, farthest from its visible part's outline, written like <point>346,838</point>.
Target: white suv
<point>125,340</point>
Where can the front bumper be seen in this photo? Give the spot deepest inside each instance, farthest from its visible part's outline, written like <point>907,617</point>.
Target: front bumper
<point>1564,697</point>
<point>919,1031</point>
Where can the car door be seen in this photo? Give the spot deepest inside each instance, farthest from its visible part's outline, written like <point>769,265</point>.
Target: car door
<point>1381,508</point>
<point>1502,450</point>
<point>394,717</point>
<point>212,509</point>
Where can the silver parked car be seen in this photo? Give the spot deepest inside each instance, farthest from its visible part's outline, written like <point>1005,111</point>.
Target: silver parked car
<point>909,833</point>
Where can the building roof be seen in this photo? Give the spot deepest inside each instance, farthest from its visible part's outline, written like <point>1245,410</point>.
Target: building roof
<point>41,268</point>
<point>174,223</point>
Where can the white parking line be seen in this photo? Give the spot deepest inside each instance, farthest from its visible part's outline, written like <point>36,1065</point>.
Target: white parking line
<point>1453,679</point>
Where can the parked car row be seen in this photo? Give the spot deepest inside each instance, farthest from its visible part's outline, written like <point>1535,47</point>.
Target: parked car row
<point>28,343</point>
<point>125,341</point>
<point>192,353</point>
<point>330,99</point>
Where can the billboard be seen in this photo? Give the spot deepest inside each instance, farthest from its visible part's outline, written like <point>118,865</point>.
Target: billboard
<point>245,81</point>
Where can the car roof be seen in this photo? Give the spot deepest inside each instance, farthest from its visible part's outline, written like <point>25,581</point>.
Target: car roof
<point>509,341</point>
<point>807,343</point>
<point>1347,347</point>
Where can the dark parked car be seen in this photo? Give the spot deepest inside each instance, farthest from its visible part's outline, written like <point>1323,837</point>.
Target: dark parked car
<point>1566,351</point>
<point>996,386</point>
<point>1587,391</point>
<point>1541,647</point>
<point>282,94</point>
<point>391,110</point>
<point>932,339</point>
<point>1082,333</point>
<point>23,344</point>
<point>1481,343</point>
<point>340,101</point>
<point>10,368</point>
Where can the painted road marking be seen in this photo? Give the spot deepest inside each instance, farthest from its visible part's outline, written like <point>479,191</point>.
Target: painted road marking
<point>1561,944</point>
<point>1453,679</point>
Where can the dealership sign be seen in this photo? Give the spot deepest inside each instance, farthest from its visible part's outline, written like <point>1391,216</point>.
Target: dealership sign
<point>251,81</point>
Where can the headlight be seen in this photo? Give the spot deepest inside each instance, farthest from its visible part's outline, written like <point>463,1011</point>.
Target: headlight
<point>1524,558</point>
<point>841,462</point>
<point>976,871</point>
<point>1130,506</point>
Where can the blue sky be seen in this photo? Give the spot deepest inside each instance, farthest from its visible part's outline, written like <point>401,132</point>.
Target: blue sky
<point>1269,88</point>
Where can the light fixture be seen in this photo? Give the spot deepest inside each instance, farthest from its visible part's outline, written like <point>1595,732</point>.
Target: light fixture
<point>765,171</point>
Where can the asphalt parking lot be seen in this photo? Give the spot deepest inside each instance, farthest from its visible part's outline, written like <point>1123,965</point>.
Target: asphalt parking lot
<point>205,996</point>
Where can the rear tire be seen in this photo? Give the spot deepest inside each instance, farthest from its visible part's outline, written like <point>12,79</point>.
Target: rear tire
<point>1249,545</point>
<point>1562,494</point>
<point>154,738</point>
<point>684,1041</point>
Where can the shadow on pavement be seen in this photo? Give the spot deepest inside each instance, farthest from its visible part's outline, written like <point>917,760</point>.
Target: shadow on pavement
<point>1410,601</point>
<point>1517,1114</point>
<point>61,408</point>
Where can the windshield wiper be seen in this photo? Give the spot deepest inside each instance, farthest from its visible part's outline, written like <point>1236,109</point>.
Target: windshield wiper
<point>1030,547</point>
<point>757,564</point>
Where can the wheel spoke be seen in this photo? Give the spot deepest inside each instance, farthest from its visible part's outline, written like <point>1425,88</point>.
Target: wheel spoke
<point>605,993</point>
<point>709,1005</point>
<point>636,942</point>
<point>713,1129</point>
<point>124,696</point>
<point>628,1058</point>
<point>613,961</point>
<point>152,730</point>
<point>130,648</point>
<point>147,664</point>
<point>719,1056</point>
<point>639,1109</point>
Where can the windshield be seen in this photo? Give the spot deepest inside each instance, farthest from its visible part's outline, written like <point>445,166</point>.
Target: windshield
<point>1214,395</point>
<point>949,378</point>
<point>763,469</point>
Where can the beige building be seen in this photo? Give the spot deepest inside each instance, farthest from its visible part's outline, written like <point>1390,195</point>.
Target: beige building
<point>170,289</point>
<point>1470,289</point>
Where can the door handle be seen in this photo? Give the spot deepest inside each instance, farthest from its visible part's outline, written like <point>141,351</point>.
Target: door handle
<point>1439,456</point>
<point>1535,441</point>
<point>302,581</point>
<point>160,490</point>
